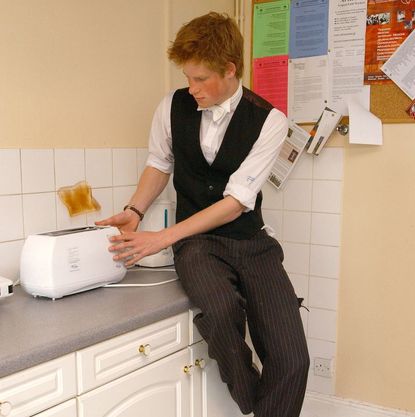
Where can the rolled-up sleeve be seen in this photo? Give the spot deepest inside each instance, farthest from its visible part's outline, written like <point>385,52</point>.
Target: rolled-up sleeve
<point>160,154</point>
<point>246,182</point>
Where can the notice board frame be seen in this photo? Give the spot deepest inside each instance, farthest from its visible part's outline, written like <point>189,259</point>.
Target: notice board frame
<point>387,101</point>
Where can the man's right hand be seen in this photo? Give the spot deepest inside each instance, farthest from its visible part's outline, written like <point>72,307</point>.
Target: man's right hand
<point>126,221</point>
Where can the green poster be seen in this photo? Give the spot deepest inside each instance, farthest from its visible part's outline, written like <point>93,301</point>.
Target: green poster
<point>271,28</point>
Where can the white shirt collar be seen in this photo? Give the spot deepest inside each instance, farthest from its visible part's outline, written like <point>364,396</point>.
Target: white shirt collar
<point>219,110</point>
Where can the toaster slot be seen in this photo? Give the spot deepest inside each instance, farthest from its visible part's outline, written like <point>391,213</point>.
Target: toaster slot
<point>72,231</point>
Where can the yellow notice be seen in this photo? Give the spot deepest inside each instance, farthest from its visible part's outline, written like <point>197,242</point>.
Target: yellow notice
<point>78,199</point>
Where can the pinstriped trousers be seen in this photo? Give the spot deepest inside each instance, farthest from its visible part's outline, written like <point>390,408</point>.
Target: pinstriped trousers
<point>232,281</point>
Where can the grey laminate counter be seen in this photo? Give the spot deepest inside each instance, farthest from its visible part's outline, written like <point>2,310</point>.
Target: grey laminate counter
<point>33,331</point>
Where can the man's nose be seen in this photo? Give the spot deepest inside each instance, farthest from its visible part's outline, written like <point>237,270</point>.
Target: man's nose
<point>193,88</point>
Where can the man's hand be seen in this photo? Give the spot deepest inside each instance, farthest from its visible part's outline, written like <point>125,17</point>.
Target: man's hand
<point>130,247</point>
<point>126,221</point>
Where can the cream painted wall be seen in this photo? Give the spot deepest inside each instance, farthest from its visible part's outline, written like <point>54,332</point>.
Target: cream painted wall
<point>87,73</point>
<point>376,330</point>
<point>80,73</point>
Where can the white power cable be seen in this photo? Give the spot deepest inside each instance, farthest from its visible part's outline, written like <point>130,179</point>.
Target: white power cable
<point>154,284</point>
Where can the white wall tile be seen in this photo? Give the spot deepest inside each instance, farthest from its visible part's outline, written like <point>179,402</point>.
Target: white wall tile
<point>11,218</point>
<point>122,196</point>
<point>325,261</point>
<point>69,167</point>
<point>10,259</point>
<point>296,226</point>
<point>296,257</point>
<point>322,324</point>
<point>142,155</point>
<point>325,229</point>
<point>39,213</point>
<point>64,220</point>
<point>327,196</point>
<point>273,218</point>
<point>323,293</point>
<point>105,199</point>
<point>326,350</point>
<point>297,195</point>
<point>272,198</point>
<point>304,167</point>
<point>300,284</point>
<point>10,172</point>
<point>125,170</point>
<point>98,167</point>
<point>329,164</point>
<point>38,170</point>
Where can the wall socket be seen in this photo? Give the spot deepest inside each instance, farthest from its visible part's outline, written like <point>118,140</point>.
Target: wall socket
<point>323,367</point>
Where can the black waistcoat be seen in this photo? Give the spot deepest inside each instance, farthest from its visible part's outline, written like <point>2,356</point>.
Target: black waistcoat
<point>198,184</point>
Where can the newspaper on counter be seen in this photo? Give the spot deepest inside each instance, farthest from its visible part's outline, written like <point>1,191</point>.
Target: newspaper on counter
<point>322,130</point>
<point>290,152</point>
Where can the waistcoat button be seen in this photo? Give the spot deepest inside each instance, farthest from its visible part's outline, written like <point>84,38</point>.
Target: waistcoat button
<point>210,187</point>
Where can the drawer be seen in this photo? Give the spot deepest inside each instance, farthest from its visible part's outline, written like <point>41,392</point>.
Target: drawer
<point>123,354</point>
<point>35,389</point>
<point>194,335</point>
<point>161,389</point>
<point>67,409</point>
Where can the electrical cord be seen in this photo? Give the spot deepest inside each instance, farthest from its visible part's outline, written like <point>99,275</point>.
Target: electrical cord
<point>141,285</point>
<point>145,285</point>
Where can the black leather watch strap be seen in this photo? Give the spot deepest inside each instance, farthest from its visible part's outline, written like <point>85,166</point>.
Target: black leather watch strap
<point>135,210</point>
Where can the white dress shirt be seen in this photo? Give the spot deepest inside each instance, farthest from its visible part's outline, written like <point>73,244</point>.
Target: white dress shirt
<point>246,182</point>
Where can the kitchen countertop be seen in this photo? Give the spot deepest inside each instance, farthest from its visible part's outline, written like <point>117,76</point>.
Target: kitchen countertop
<point>36,330</point>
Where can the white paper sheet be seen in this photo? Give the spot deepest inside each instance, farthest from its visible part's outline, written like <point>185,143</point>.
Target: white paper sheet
<point>400,67</point>
<point>347,26</point>
<point>322,130</point>
<point>364,127</point>
<point>289,155</point>
<point>308,88</point>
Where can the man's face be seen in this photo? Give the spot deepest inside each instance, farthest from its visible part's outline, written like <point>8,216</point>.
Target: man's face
<point>209,87</point>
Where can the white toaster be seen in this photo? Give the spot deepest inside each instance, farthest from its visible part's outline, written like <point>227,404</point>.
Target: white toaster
<point>65,262</point>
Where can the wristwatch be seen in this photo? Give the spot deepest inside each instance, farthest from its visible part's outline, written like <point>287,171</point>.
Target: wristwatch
<point>135,210</point>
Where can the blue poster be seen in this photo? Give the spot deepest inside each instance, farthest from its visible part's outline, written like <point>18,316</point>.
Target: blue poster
<point>308,28</point>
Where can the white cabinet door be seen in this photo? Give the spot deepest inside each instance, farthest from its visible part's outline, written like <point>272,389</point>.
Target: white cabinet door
<point>161,389</point>
<point>211,397</point>
<point>67,409</point>
<point>38,388</point>
<point>116,357</point>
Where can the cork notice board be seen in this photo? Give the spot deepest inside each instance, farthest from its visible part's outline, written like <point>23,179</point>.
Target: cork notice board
<point>387,101</point>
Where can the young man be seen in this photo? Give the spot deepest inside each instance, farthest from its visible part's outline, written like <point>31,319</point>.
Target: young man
<point>221,140</point>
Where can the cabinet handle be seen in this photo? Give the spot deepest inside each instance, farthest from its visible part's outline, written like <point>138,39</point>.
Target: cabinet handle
<point>201,363</point>
<point>188,369</point>
<point>5,408</point>
<point>145,349</point>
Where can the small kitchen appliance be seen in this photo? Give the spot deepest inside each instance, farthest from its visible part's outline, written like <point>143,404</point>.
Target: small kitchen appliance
<point>65,262</point>
<point>6,287</point>
<point>157,217</point>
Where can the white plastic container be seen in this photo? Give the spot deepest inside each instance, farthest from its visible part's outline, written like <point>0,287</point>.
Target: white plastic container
<point>157,217</point>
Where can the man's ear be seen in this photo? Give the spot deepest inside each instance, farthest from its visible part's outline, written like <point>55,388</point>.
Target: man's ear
<point>230,70</point>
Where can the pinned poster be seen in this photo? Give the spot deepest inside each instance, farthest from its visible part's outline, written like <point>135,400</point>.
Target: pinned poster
<point>308,28</point>
<point>270,80</point>
<point>320,133</point>
<point>400,67</point>
<point>364,127</point>
<point>271,27</point>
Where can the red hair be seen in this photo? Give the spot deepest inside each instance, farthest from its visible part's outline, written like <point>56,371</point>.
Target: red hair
<point>212,39</point>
